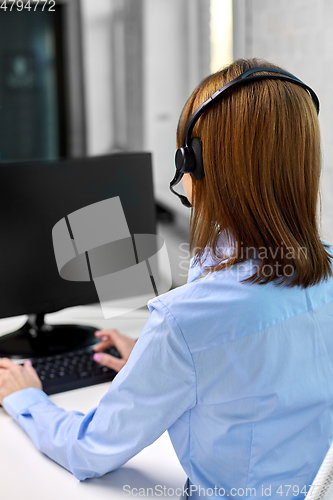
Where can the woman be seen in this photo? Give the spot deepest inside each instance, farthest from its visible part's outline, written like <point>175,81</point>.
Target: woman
<point>236,365</point>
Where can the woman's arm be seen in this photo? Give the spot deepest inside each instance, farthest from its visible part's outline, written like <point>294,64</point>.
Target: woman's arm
<point>15,377</point>
<point>155,387</point>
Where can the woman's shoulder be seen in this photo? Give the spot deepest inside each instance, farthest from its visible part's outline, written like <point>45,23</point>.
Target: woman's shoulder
<point>222,306</point>
<point>208,306</point>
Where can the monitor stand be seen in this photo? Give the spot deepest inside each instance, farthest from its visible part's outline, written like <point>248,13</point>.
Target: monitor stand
<point>38,339</point>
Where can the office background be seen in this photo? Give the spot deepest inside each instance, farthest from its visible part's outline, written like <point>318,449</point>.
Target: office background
<point>99,76</point>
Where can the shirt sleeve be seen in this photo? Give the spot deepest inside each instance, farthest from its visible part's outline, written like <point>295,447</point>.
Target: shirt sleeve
<point>155,387</point>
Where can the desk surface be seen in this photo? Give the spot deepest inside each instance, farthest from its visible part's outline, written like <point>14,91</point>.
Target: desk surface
<point>28,474</point>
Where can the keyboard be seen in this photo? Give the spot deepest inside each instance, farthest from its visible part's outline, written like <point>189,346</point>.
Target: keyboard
<point>72,370</point>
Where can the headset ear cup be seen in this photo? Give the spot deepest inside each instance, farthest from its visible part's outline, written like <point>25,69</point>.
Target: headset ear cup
<point>196,145</point>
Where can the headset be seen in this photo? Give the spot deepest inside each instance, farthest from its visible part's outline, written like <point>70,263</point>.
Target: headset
<point>188,158</point>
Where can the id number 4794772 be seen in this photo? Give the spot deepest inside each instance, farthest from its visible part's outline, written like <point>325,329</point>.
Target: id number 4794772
<point>27,5</point>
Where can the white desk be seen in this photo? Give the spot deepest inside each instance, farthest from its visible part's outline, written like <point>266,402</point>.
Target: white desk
<point>27,474</point>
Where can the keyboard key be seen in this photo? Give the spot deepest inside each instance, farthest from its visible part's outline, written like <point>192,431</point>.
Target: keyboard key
<point>73,370</point>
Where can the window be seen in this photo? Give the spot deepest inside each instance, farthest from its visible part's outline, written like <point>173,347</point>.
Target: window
<point>220,34</point>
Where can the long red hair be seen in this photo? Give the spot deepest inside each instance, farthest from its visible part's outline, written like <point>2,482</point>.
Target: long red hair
<point>262,161</point>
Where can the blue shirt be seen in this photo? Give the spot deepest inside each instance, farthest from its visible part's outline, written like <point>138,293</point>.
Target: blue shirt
<point>240,374</point>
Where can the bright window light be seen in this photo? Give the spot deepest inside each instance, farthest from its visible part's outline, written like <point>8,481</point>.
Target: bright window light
<point>220,33</point>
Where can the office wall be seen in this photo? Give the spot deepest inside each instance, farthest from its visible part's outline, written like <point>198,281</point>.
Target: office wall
<point>96,38</point>
<point>176,58</point>
<point>298,36</point>
<point>142,59</point>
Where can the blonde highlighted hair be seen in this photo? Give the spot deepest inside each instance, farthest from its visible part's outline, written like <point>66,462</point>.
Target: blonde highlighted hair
<point>262,161</point>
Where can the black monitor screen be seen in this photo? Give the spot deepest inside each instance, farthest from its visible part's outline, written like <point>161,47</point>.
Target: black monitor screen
<point>34,196</point>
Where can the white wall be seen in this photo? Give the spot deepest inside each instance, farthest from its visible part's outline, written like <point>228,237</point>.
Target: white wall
<point>298,36</point>
<point>97,58</point>
<point>176,58</point>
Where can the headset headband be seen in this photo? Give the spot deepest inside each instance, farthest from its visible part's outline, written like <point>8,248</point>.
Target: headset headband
<point>185,155</point>
<point>241,80</point>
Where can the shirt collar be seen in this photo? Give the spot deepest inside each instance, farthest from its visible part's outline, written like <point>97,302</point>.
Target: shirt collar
<point>195,270</point>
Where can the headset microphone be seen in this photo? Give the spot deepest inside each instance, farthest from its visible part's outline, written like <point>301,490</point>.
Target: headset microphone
<point>188,157</point>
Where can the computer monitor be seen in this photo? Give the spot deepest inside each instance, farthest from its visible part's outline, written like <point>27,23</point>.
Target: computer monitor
<point>34,197</point>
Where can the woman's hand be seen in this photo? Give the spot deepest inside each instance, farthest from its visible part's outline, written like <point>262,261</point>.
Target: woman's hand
<point>108,338</point>
<point>16,377</point>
